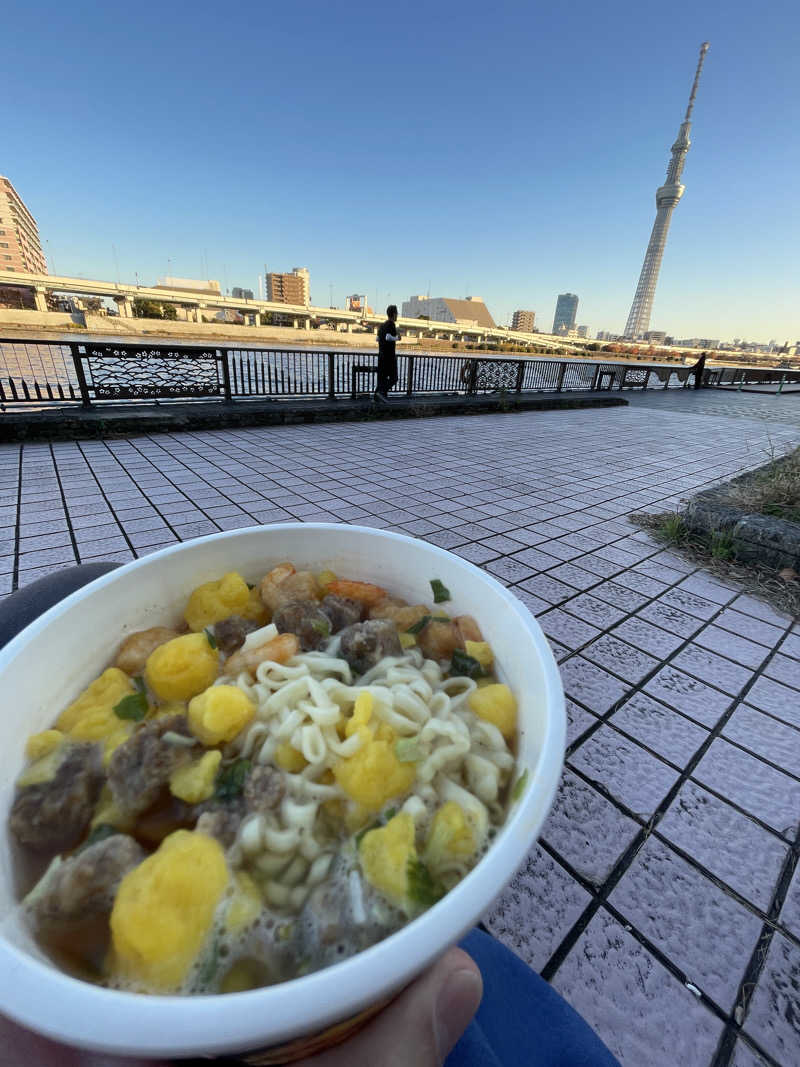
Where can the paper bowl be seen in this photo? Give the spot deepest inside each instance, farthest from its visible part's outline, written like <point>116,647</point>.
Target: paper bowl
<point>49,663</point>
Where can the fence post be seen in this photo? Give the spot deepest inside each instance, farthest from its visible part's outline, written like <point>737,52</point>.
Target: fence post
<point>331,376</point>
<point>624,378</point>
<point>561,372</point>
<point>410,376</point>
<point>226,375</point>
<point>520,374</point>
<point>595,376</point>
<point>78,362</point>
<point>472,376</point>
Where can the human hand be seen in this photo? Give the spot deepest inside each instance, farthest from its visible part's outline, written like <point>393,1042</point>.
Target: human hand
<point>418,1029</point>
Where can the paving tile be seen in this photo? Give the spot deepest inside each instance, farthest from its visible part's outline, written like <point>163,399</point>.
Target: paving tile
<point>597,565</point>
<point>535,559</point>
<point>782,701</point>
<point>773,1015</point>
<point>597,612</point>
<point>97,533</point>
<point>642,1013</point>
<point>187,531</point>
<point>547,588</point>
<point>709,667</point>
<point>53,525</point>
<point>641,583</point>
<point>443,538</point>
<point>509,569</point>
<point>99,549</point>
<point>670,735</point>
<point>596,689</point>
<point>728,844</point>
<point>751,784</point>
<point>765,736</point>
<point>574,576</point>
<point>689,696</point>
<point>706,587</point>
<point>790,912</point>
<point>759,609</point>
<point>727,644</point>
<point>475,553</point>
<point>567,629</point>
<point>659,571</point>
<point>652,639</point>
<point>578,721</point>
<point>533,603</point>
<point>620,596</point>
<point>670,618</point>
<point>746,626</point>
<point>703,930</point>
<point>625,770</point>
<point>534,913</point>
<point>690,604</point>
<point>46,557</point>
<point>623,659</point>
<point>500,544</point>
<point>560,550</point>
<point>587,830</point>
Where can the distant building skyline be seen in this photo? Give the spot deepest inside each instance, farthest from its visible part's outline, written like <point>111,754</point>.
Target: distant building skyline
<point>566,311</point>
<point>523,321</point>
<point>20,244</point>
<point>289,288</point>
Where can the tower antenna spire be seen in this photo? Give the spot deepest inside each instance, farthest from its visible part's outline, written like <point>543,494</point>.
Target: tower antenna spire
<point>667,196</point>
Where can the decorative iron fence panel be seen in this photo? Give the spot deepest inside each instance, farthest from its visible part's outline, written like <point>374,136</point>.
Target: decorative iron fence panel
<point>43,373</point>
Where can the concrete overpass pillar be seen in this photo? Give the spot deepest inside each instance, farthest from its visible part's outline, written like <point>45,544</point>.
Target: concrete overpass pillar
<point>307,324</point>
<point>349,327</point>
<point>296,323</point>
<point>256,318</point>
<point>124,306</point>
<point>198,313</point>
<point>39,298</point>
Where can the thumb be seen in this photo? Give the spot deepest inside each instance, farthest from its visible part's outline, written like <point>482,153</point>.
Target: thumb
<point>419,1027</point>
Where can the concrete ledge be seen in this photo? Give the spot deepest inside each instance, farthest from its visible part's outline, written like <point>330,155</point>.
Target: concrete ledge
<point>756,538</point>
<point>71,422</point>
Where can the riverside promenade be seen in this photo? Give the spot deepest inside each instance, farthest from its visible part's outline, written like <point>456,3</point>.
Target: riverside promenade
<point>663,899</point>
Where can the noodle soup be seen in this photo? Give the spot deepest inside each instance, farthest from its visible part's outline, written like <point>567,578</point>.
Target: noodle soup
<point>293,772</point>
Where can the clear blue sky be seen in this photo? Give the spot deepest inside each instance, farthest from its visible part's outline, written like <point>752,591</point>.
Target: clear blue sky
<point>507,150</point>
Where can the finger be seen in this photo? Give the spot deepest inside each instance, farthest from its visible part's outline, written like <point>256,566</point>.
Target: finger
<point>421,1026</point>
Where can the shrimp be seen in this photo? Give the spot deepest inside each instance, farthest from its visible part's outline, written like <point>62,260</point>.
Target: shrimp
<point>280,650</point>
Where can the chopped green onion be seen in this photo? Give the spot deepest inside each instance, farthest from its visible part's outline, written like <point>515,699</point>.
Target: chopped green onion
<point>138,681</point>
<point>179,740</point>
<point>133,706</point>
<point>418,627</point>
<point>210,635</point>
<point>407,750</point>
<point>230,780</point>
<point>361,833</point>
<point>422,889</point>
<point>519,785</point>
<point>440,592</point>
<point>462,664</point>
<point>250,586</point>
<point>322,627</point>
<point>440,618</point>
<point>390,813</point>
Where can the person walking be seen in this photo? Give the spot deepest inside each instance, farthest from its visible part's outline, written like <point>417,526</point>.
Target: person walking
<point>387,357</point>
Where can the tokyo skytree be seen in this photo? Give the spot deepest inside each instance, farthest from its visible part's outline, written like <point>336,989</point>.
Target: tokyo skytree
<point>667,196</point>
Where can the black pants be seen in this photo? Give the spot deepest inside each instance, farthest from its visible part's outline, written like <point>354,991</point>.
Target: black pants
<point>21,608</point>
<point>387,373</point>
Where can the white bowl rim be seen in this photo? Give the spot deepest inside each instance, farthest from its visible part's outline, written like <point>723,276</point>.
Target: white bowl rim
<point>77,1012</point>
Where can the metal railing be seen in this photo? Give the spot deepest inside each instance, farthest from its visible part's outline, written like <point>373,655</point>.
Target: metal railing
<point>729,377</point>
<point>58,373</point>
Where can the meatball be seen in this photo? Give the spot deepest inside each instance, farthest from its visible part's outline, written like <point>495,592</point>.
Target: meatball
<point>221,823</point>
<point>263,788</point>
<point>343,611</point>
<point>306,620</point>
<point>366,643</point>
<point>140,768</point>
<point>231,632</point>
<point>85,884</point>
<point>54,815</point>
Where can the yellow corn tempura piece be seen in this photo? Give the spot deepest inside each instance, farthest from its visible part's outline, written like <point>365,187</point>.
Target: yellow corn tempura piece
<point>450,837</point>
<point>214,601</point>
<point>164,910</point>
<point>43,770</point>
<point>218,714</point>
<point>384,854</point>
<point>194,782</point>
<point>254,609</point>
<point>324,579</point>
<point>245,905</point>
<point>289,759</point>
<point>407,640</point>
<point>496,704</point>
<point>481,651</point>
<point>182,668</point>
<point>373,774</point>
<point>107,813</point>
<point>91,717</point>
<point>42,744</point>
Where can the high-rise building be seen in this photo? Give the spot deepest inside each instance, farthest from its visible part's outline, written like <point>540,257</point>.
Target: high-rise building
<point>566,310</point>
<point>583,331</point>
<point>523,321</point>
<point>20,246</point>
<point>667,196</point>
<point>241,294</point>
<point>471,311</point>
<point>289,288</point>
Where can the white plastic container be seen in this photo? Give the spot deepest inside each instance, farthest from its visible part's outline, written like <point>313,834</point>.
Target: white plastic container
<point>48,664</point>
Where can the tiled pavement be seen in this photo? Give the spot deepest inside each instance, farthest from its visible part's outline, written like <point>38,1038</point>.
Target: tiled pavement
<point>663,899</point>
